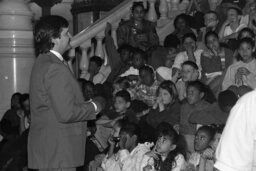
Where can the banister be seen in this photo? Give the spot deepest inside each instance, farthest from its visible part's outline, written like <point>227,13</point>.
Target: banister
<point>116,14</point>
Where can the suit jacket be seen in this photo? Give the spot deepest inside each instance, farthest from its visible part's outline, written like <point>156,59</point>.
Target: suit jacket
<point>57,133</point>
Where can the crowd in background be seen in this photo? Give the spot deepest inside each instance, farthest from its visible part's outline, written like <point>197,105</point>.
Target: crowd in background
<point>166,106</point>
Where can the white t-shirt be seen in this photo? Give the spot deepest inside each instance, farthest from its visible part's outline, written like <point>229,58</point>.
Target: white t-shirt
<point>183,56</point>
<point>236,149</point>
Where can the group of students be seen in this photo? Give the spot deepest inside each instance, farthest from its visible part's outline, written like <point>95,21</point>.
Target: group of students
<point>177,96</point>
<point>166,106</point>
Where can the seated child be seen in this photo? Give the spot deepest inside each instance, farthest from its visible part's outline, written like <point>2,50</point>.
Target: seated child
<point>198,98</point>
<point>189,72</point>
<point>146,89</point>
<point>96,71</point>
<point>191,53</point>
<point>243,72</point>
<point>129,154</point>
<point>139,59</point>
<point>202,158</point>
<point>214,60</point>
<point>167,108</point>
<point>167,154</point>
<point>88,89</point>
<point>211,22</point>
<point>231,26</point>
<point>245,32</point>
<point>94,147</point>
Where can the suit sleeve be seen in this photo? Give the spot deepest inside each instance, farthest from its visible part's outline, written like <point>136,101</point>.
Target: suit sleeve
<point>62,97</point>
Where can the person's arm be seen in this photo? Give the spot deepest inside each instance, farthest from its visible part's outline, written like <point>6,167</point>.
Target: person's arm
<point>121,34</point>
<point>179,59</point>
<point>21,115</point>
<point>222,30</point>
<point>113,55</point>
<point>228,79</point>
<point>153,37</point>
<point>62,98</point>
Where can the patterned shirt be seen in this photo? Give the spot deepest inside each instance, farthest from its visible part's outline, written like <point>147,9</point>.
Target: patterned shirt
<point>147,94</point>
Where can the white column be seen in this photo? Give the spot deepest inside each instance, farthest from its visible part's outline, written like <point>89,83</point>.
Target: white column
<point>174,8</point>
<point>163,9</point>
<point>99,48</point>
<point>16,50</point>
<point>169,7</point>
<point>151,16</point>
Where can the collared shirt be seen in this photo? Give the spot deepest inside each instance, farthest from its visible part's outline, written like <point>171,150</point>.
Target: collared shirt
<point>236,149</point>
<point>57,54</point>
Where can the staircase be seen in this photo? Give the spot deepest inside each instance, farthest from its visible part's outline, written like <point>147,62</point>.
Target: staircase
<point>168,9</point>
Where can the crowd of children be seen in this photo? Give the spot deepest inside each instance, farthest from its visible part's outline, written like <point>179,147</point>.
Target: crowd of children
<point>166,106</point>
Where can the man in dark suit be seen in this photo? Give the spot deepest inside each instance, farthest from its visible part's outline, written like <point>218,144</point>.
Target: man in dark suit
<point>58,112</point>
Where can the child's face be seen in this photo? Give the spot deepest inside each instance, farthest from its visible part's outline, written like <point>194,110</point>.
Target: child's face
<point>193,95</point>
<point>232,15</point>
<point>181,24</point>
<point>93,68</point>
<point>188,73</point>
<point>245,50</point>
<point>88,92</point>
<point>202,141</point>
<point>138,13</point>
<point>137,61</point>
<point>210,20</point>
<point>146,78</point>
<point>15,101</point>
<point>164,144</point>
<point>165,96</point>
<point>120,104</point>
<point>215,141</point>
<point>213,42</point>
<point>125,55</point>
<point>189,43</point>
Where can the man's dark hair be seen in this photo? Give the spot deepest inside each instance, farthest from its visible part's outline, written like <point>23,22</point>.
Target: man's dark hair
<point>171,41</point>
<point>124,94</point>
<point>46,28</point>
<point>97,60</point>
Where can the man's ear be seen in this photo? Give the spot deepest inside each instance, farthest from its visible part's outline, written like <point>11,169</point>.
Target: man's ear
<point>55,41</point>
